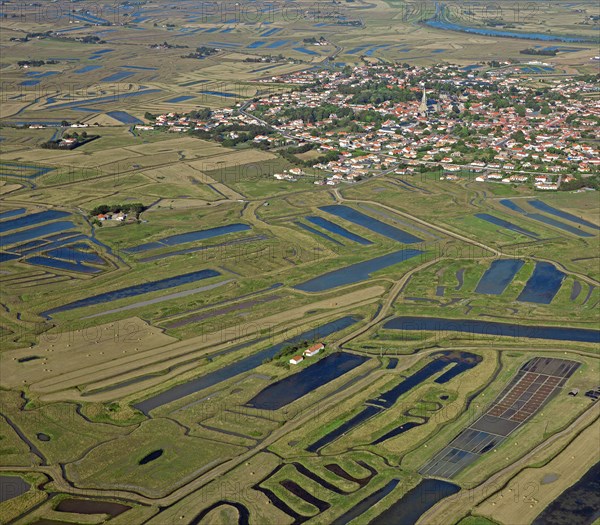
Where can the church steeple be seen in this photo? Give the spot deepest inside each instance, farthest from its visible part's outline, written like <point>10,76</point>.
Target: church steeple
<point>423,106</point>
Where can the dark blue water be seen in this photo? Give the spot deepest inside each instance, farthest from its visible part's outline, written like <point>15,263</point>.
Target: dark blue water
<point>317,232</point>
<point>277,43</point>
<point>542,206</point>
<point>577,505</point>
<point>437,324</point>
<point>119,75</point>
<point>256,44</point>
<point>142,68</point>
<point>34,233</point>
<point>308,379</point>
<point>151,457</point>
<point>557,224</point>
<point>498,276</point>
<point>86,69</point>
<point>243,365</point>
<point>272,31</point>
<point>463,361</point>
<point>192,236</point>
<point>367,412</point>
<point>546,220</point>
<point>306,51</point>
<point>25,171</point>
<point>138,289</point>
<point>101,100</point>
<point>11,213</point>
<point>30,220</point>
<point>397,431</point>
<point>219,94</point>
<point>11,487</point>
<point>408,509</point>
<point>505,224</point>
<point>72,254</point>
<point>366,504</point>
<point>356,272</point>
<point>512,206</point>
<point>181,98</point>
<point>41,74</point>
<point>5,257</point>
<point>62,265</point>
<point>124,117</point>
<point>446,25</point>
<point>543,284</point>
<point>352,215</point>
<point>337,229</point>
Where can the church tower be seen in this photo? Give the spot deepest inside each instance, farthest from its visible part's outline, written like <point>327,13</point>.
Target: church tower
<point>423,106</point>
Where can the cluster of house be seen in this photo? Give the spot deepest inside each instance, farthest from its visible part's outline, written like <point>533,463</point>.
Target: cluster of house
<point>120,216</point>
<point>309,352</point>
<point>519,142</point>
<point>425,130</point>
<point>176,122</point>
<point>290,175</point>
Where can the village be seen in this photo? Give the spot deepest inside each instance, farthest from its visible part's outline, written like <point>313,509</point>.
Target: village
<point>492,126</point>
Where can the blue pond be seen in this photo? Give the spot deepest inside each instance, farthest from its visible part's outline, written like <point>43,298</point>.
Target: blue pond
<point>142,68</point>
<point>25,171</point>
<point>498,276</point>
<point>124,117</point>
<point>62,265</point>
<point>355,50</point>
<point>416,502</point>
<point>546,220</point>
<point>138,289</point>
<point>34,233</point>
<point>337,229</point>
<point>100,100</point>
<point>271,31</point>
<point>306,51</point>
<point>505,224</point>
<point>86,69</point>
<point>30,220</point>
<point>11,213</point>
<point>198,235</point>
<point>4,256</point>
<point>30,82</point>
<point>543,284</point>
<point>356,272</point>
<point>542,206</point>
<point>492,328</point>
<point>277,43</point>
<point>463,361</point>
<point>120,75</point>
<point>73,254</point>
<point>219,94</point>
<point>365,504</point>
<point>243,365</point>
<point>316,232</point>
<point>352,215</point>
<point>181,98</point>
<point>310,378</point>
<point>256,44</point>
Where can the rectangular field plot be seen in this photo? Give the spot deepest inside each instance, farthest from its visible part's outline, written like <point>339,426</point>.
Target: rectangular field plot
<point>535,383</point>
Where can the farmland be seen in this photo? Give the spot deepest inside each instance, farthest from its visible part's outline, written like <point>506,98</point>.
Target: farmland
<point>158,284</point>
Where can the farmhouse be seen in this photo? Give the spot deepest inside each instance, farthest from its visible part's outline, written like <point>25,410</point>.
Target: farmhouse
<point>296,359</point>
<point>313,350</point>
